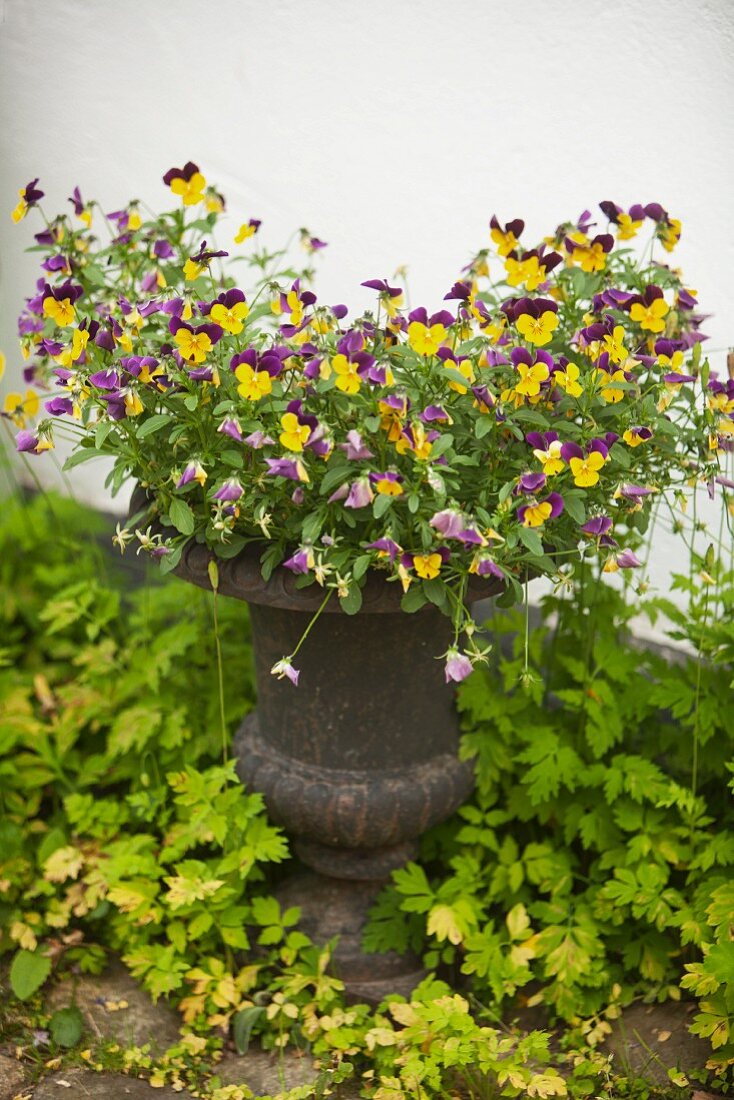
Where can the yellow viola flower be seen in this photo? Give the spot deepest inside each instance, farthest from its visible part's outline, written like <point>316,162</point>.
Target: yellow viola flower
<point>586,470</point>
<point>427,566</point>
<point>531,378</point>
<point>347,377</point>
<point>231,319</point>
<point>133,404</point>
<point>19,407</point>
<point>62,312</point>
<point>550,459</point>
<point>2,365</point>
<point>527,272</point>
<point>294,434</point>
<point>465,368</point>
<point>253,384</point>
<point>247,229</point>
<point>610,392</point>
<point>670,234</point>
<point>568,380</point>
<point>69,355</point>
<point>537,330</point>
<point>193,346</point>
<point>614,345</point>
<point>535,515</point>
<point>192,270</point>
<point>626,227</point>
<point>425,339</point>
<point>650,316</point>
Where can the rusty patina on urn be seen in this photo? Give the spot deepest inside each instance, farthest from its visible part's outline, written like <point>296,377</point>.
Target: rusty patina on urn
<point>359,759</point>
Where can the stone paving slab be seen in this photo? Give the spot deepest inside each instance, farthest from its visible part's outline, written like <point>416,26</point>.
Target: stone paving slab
<point>85,1084</point>
<point>99,998</point>
<point>12,1078</point>
<point>648,1040</point>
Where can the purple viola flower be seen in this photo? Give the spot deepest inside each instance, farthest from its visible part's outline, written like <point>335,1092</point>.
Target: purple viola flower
<point>627,559</point>
<point>105,379</point>
<point>105,340</point>
<point>287,467</point>
<point>541,441</point>
<point>355,448</point>
<point>26,442</point>
<point>634,493</point>
<point>59,406</point>
<point>229,490</point>
<point>531,482</point>
<point>300,562</point>
<point>163,249</point>
<point>442,317</point>
<point>485,566</point>
<point>231,427</point>
<point>385,547</point>
<point>435,413</point>
<point>383,287</point>
<point>458,666</point>
<point>597,526</point>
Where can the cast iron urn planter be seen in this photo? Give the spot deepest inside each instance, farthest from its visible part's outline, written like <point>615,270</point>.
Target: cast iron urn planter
<point>359,759</point>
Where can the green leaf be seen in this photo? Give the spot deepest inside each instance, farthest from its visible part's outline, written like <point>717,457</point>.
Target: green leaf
<point>67,1026</point>
<point>575,506</point>
<point>242,1026</point>
<point>181,516</point>
<point>28,973</point>
<point>102,430</point>
<point>413,600</point>
<point>152,424</point>
<point>352,602</point>
<point>531,539</point>
<point>80,456</point>
<point>381,505</point>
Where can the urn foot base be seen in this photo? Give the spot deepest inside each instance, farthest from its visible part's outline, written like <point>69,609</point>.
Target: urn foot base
<point>332,908</point>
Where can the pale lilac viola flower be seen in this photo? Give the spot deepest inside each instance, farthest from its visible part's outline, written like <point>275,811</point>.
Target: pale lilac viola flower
<point>627,559</point>
<point>458,666</point>
<point>287,467</point>
<point>448,523</point>
<point>355,448</point>
<point>231,427</point>
<point>257,440</point>
<point>360,494</point>
<point>26,442</point>
<point>283,669</point>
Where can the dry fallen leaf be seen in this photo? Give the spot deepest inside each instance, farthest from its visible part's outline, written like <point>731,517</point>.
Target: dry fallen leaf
<point>663,1036</point>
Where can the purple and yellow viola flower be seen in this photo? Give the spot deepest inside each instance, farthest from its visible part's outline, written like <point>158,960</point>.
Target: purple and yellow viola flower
<point>187,182</point>
<point>649,309</point>
<point>291,468</point>
<point>30,196</point>
<point>391,297</point>
<point>585,465</point>
<point>427,334</point>
<point>536,319</point>
<point>537,513</point>
<point>247,230</point>
<point>505,238</point>
<point>389,483</point>
<point>229,311</point>
<point>194,343</point>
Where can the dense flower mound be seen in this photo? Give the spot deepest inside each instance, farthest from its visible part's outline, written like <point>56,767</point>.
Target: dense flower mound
<point>557,395</point>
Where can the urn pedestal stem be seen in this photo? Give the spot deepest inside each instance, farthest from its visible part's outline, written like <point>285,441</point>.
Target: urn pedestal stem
<point>358,760</point>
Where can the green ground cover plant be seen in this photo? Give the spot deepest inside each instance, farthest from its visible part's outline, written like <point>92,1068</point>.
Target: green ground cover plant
<point>592,867</point>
